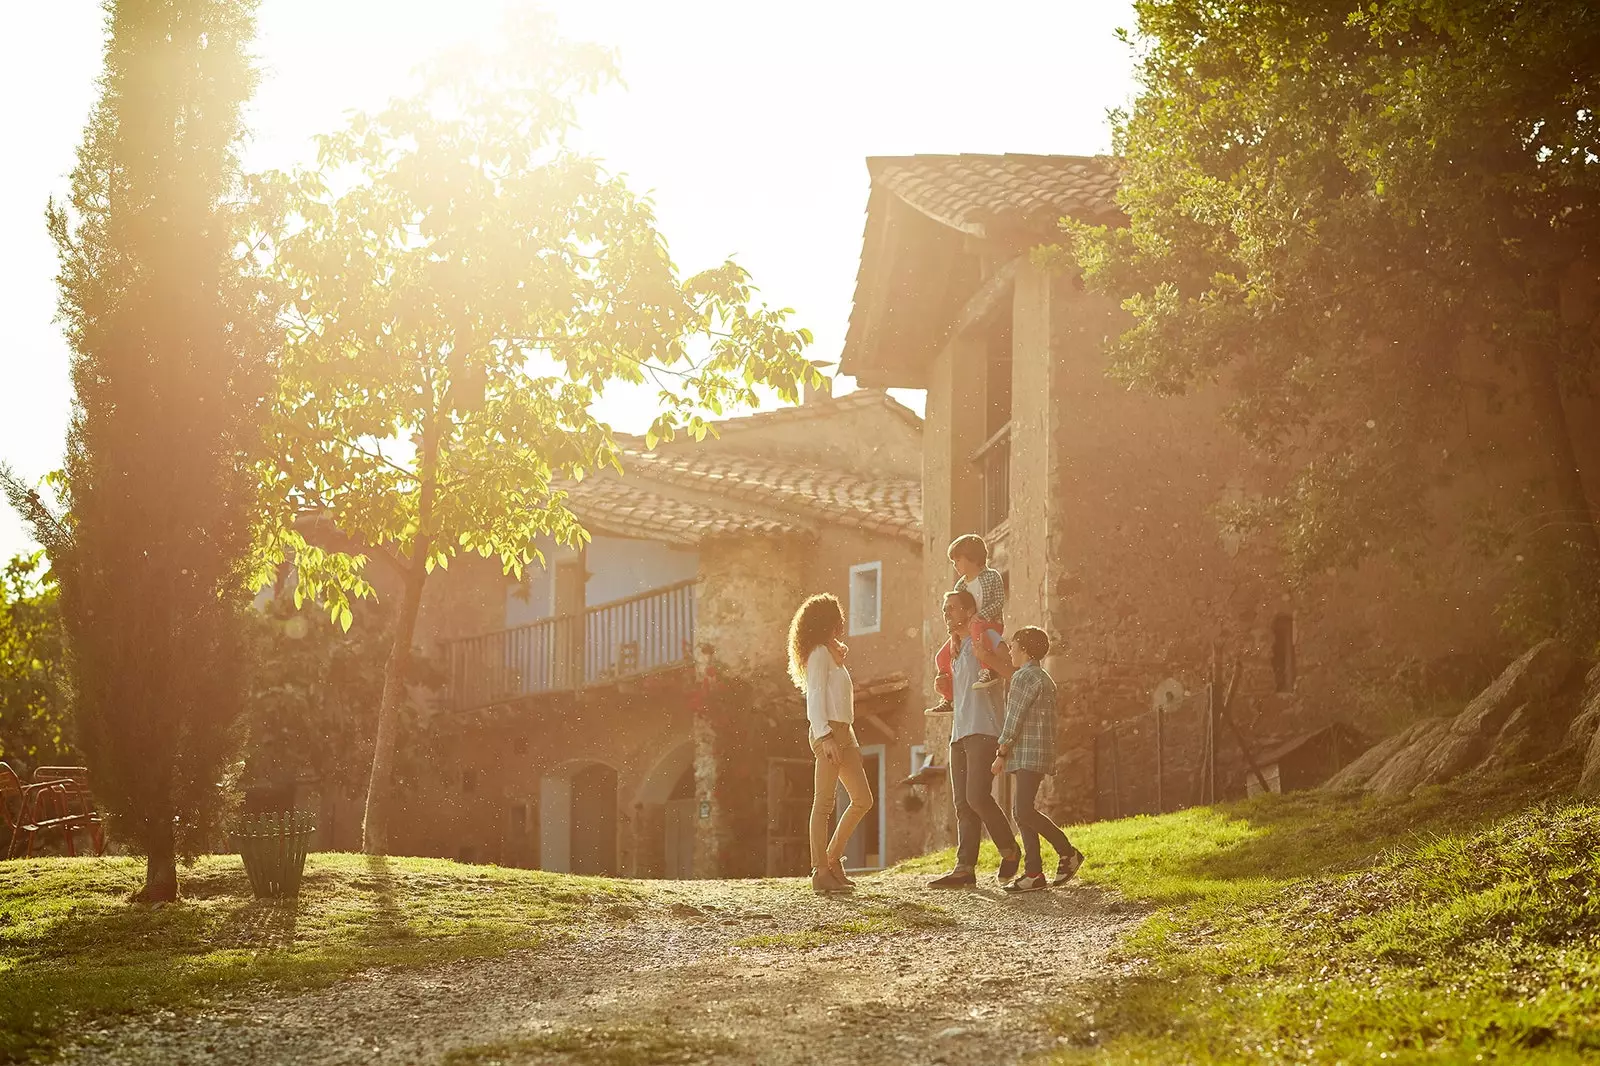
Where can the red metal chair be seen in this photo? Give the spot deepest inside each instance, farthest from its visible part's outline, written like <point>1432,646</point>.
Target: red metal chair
<point>57,800</point>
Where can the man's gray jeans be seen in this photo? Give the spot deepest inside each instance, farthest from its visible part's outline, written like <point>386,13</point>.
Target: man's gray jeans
<point>976,809</point>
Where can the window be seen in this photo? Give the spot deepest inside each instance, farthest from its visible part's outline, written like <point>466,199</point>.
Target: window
<point>866,598</point>
<point>1283,654</point>
<point>919,757</point>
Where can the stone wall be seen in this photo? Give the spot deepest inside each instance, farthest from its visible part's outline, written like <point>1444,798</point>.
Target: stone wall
<point>749,589</point>
<point>867,439</point>
<point>475,772</point>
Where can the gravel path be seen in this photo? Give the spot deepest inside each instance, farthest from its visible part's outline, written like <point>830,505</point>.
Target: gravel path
<point>717,972</point>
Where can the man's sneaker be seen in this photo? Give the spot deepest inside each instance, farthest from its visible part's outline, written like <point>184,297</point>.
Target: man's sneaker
<point>1028,883</point>
<point>943,707</point>
<point>1068,867</point>
<point>986,679</point>
<point>955,879</point>
<point>1009,867</point>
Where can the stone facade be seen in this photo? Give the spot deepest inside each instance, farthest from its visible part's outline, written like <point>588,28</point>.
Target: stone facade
<point>668,774</point>
<point>1111,538</point>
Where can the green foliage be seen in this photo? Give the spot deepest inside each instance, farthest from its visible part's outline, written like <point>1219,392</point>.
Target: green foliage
<point>70,946</point>
<point>1372,221</point>
<point>34,717</point>
<point>314,695</point>
<point>167,373</point>
<point>458,287</point>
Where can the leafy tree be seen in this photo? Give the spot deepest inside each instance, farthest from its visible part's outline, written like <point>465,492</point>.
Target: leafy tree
<point>314,694</point>
<point>1357,214</point>
<point>33,694</point>
<point>151,556</point>
<point>459,285</point>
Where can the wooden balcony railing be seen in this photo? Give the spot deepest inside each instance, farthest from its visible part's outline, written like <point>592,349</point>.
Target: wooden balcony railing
<point>651,631</point>
<point>993,460</point>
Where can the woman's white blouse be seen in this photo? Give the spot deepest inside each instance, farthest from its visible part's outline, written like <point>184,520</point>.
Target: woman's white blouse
<point>830,695</point>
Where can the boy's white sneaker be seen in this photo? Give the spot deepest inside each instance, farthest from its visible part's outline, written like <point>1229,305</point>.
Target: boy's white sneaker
<point>986,679</point>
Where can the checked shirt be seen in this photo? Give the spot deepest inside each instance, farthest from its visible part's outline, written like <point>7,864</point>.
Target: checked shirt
<point>993,587</point>
<point>1030,729</point>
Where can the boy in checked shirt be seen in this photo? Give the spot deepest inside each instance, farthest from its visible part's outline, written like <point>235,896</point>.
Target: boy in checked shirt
<point>1028,750</point>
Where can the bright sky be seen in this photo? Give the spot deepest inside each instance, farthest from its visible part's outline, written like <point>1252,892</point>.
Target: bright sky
<point>749,121</point>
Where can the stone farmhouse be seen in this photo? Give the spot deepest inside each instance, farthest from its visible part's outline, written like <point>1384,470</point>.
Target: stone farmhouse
<point>625,710</point>
<point>1100,502</point>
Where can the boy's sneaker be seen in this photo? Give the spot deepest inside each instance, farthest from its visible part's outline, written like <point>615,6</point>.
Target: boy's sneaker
<point>1009,867</point>
<point>943,707</point>
<point>986,679</point>
<point>1028,883</point>
<point>1067,868</point>
<point>955,879</point>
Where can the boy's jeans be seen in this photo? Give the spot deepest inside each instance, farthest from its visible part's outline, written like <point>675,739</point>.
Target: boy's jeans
<point>942,684</point>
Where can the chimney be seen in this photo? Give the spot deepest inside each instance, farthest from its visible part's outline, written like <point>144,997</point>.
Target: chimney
<point>809,395</point>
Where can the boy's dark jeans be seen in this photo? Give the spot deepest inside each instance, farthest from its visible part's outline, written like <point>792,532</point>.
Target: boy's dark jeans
<point>1032,823</point>
<point>976,809</point>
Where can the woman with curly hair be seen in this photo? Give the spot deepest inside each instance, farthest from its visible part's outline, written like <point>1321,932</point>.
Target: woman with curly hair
<point>816,665</point>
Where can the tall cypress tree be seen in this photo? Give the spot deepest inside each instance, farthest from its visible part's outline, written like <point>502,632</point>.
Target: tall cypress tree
<point>167,351</point>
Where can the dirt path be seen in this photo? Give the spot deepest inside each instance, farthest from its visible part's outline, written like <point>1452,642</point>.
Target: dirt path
<point>720,972</point>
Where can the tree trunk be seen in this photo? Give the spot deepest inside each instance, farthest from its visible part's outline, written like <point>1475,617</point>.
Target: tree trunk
<point>1573,528</point>
<point>375,826</point>
<point>160,866</point>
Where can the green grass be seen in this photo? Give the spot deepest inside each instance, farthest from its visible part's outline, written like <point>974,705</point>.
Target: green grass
<point>71,944</point>
<point>1462,925</point>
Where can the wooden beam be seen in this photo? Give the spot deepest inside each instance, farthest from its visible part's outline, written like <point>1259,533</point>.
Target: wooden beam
<point>988,299</point>
<point>879,724</point>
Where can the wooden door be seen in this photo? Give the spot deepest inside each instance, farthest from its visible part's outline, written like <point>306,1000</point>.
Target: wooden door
<point>788,817</point>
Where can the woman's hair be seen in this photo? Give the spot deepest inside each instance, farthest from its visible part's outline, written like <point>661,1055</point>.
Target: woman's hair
<point>814,624</point>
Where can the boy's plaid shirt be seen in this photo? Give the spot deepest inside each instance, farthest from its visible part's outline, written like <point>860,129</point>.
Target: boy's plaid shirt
<point>993,588</point>
<point>1030,729</point>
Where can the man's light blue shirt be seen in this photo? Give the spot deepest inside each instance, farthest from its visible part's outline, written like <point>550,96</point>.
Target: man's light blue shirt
<point>976,713</point>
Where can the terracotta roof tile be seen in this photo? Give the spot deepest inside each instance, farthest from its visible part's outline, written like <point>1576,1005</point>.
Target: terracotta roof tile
<point>887,505</point>
<point>626,508</point>
<point>978,194</point>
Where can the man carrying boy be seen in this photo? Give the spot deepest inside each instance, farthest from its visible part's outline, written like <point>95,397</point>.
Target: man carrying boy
<point>974,732</point>
<point>988,590</point>
<point>1027,748</point>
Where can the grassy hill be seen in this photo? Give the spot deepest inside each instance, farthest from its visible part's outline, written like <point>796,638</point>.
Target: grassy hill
<point>1462,925</point>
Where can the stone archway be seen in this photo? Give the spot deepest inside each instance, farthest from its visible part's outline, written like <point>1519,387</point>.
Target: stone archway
<point>578,820</point>
<point>665,811</point>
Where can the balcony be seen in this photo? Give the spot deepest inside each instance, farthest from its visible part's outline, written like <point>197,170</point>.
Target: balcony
<point>626,638</point>
<point>993,461</point>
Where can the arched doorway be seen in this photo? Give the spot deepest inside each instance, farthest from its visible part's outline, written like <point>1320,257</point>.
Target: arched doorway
<point>594,820</point>
<point>682,810</point>
<point>665,816</point>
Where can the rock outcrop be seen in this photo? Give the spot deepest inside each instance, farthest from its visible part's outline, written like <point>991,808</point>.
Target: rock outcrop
<point>1526,713</point>
<point>1584,734</point>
